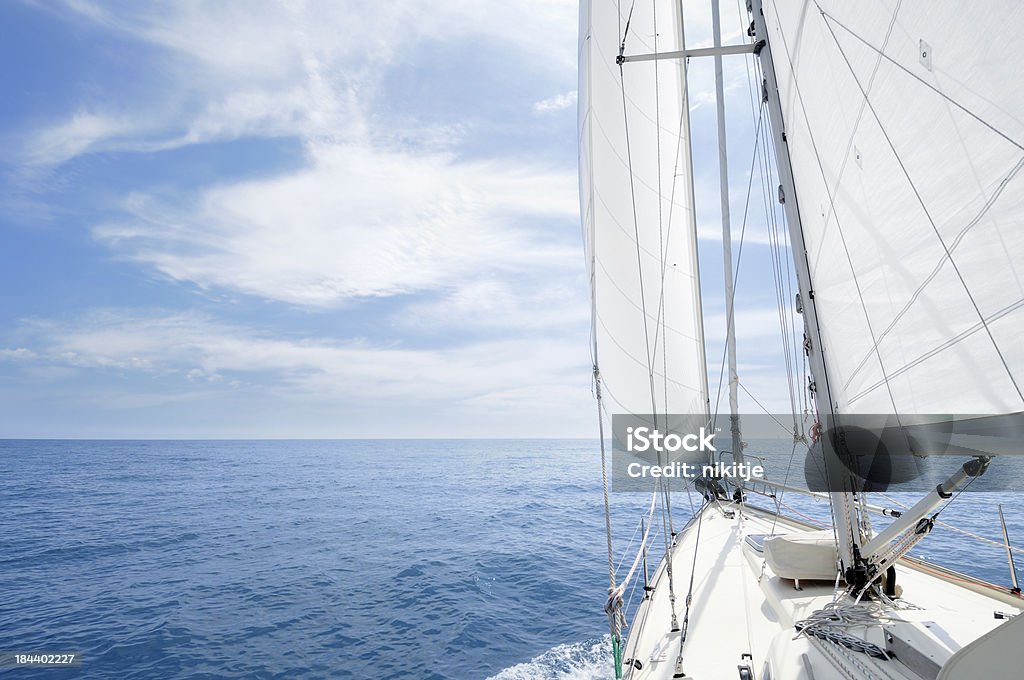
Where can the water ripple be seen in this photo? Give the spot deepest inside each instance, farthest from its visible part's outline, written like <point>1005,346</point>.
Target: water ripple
<point>316,559</point>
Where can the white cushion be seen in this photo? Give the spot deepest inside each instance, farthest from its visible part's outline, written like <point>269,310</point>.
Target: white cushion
<point>808,555</point>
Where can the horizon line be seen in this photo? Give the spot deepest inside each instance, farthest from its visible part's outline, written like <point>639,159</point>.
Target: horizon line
<point>255,439</point>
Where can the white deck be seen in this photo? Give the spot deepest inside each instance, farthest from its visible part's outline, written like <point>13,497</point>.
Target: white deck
<point>740,607</point>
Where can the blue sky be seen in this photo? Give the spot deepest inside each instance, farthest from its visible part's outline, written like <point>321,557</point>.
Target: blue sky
<point>308,220</point>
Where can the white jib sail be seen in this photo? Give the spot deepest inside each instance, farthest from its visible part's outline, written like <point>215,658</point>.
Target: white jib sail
<point>902,121</point>
<point>637,213</point>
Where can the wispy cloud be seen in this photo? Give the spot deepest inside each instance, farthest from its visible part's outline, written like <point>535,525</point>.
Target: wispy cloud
<point>310,70</point>
<point>475,243</point>
<point>556,103</point>
<point>375,211</point>
<point>526,381</point>
<point>554,306</point>
<point>16,354</point>
<point>360,222</point>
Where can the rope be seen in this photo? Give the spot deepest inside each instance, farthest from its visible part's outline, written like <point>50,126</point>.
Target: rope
<point>900,547</point>
<point>633,587</point>
<point>669,536</point>
<point>785,481</point>
<point>622,44</point>
<point>625,551</point>
<point>604,481</point>
<point>636,235</point>
<point>615,616</point>
<point>763,408</point>
<point>617,591</point>
<point>783,293</point>
<point>833,622</point>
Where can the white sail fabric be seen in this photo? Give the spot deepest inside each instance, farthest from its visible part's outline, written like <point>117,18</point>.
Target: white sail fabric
<point>640,239</point>
<point>905,129</point>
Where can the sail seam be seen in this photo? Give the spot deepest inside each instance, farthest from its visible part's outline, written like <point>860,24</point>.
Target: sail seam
<point>841,174</point>
<point>942,261</point>
<point>624,162</point>
<point>941,348</point>
<point>916,77</point>
<point>639,362</point>
<point>842,236</point>
<point>636,233</point>
<point>931,221</point>
<point>616,286</point>
<point>625,231</point>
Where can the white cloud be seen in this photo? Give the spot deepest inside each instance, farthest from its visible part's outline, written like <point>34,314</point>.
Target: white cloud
<point>360,222</point>
<point>375,211</point>
<point>556,103</point>
<point>383,206</point>
<point>17,354</point>
<point>307,69</point>
<point>518,307</point>
<point>73,137</point>
<point>527,380</point>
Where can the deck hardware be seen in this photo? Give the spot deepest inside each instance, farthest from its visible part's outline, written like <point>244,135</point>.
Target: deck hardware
<point>1009,553</point>
<point>745,670</point>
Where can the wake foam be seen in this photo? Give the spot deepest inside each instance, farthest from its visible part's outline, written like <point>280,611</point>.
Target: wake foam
<point>586,660</point>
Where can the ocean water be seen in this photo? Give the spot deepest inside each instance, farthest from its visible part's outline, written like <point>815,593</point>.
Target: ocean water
<point>331,559</point>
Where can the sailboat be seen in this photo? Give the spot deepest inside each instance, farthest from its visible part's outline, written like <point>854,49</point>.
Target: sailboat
<point>894,132</point>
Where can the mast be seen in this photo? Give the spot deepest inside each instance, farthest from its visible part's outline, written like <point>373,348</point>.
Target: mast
<point>848,536</point>
<point>691,223</point>
<point>723,187</point>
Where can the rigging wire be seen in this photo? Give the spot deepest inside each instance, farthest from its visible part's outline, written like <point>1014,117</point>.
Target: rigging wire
<point>881,53</point>
<point>947,525</point>
<point>782,278</point>
<point>739,260</point>
<point>843,513</point>
<point>669,536</point>
<point>787,330</point>
<point>693,571</point>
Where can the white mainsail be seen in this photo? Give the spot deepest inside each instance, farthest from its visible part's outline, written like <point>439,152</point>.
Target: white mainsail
<point>904,130</point>
<point>637,212</point>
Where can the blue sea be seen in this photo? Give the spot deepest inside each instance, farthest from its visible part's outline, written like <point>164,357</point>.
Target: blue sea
<point>423,559</point>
